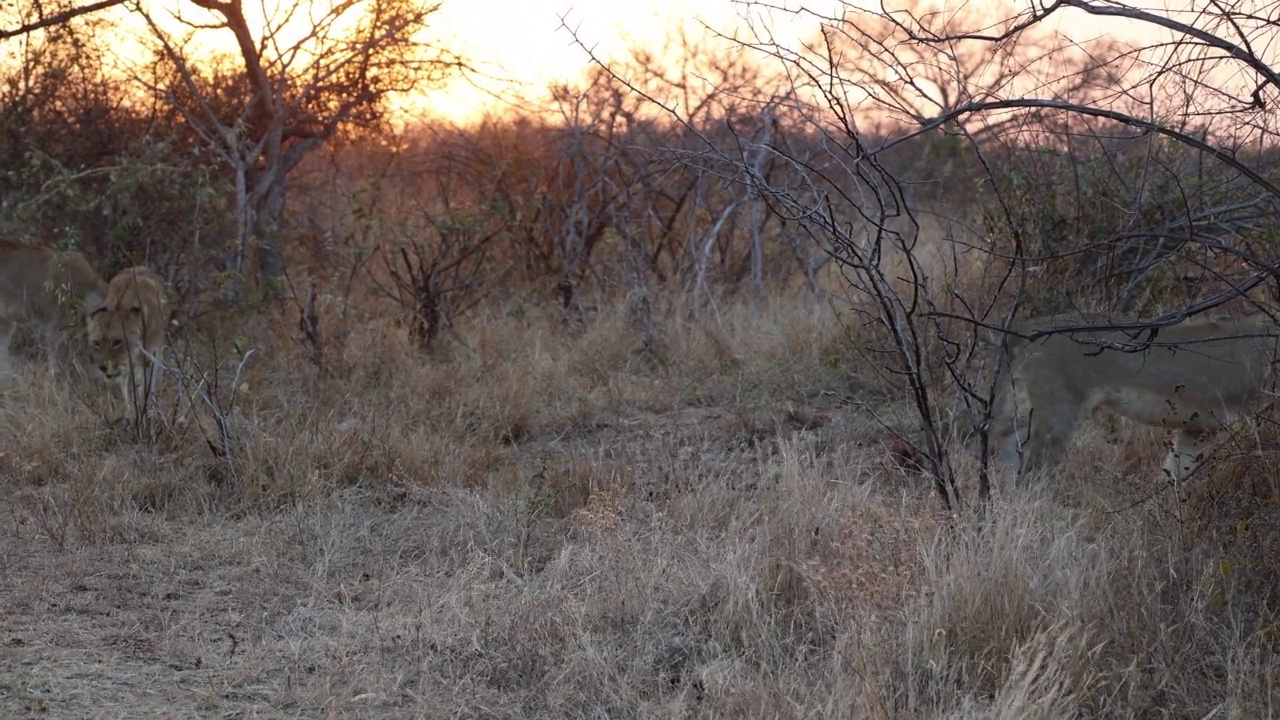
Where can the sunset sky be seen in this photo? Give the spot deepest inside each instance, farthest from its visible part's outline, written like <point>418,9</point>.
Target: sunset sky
<point>520,48</point>
<point>523,41</point>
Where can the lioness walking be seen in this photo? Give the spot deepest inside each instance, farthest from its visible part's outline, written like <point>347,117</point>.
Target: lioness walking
<point>1196,378</point>
<point>129,321</point>
<point>47,289</point>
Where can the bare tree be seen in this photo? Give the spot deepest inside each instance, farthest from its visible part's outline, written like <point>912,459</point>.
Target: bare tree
<point>1192,173</point>
<point>693,224</point>
<point>1184,187</point>
<point>303,73</point>
<point>436,276</point>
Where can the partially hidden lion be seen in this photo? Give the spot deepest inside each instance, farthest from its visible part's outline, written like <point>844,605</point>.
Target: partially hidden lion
<point>130,320</point>
<point>51,291</point>
<point>1193,380</point>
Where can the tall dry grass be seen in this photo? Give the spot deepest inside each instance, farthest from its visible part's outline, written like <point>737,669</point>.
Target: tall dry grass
<point>544,521</point>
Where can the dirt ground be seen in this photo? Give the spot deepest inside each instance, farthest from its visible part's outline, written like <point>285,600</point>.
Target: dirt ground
<point>400,600</point>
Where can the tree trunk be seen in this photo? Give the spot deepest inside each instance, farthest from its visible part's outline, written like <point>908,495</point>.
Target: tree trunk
<point>267,221</point>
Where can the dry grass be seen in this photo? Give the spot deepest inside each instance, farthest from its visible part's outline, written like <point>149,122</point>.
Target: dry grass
<point>537,522</point>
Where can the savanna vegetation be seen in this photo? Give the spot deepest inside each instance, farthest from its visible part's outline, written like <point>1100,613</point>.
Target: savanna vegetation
<point>668,398</point>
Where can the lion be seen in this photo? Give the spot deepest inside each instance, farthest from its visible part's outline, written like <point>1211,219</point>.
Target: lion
<point>1193,380</point>
<point>128,326</point>
<point>48,290</point>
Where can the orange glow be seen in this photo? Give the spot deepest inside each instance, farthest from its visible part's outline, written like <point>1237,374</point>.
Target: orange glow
<point>523,47</point>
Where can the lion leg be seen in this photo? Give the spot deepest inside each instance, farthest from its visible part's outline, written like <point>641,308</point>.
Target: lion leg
<point>150,377</point>
<point>131,400</point>
<point>126,397</point>
<point>138,390</point>
<point>1046,423</point>
<point>1186,453</point>
<point>140,387</point>
<point>5,356</point>
<point>1049,441</point>
<point>1010,426</point>
<point>49,338</point>
<point>115,404</point>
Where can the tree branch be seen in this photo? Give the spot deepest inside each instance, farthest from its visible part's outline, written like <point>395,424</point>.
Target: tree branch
<point>1149,125</point>
<point>59,18</point>
<point>1235,51</point>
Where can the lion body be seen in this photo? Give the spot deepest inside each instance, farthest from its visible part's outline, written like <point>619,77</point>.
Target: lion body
<point>47,290</point>
<point>1193,380</point>
<point>131,320</point>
